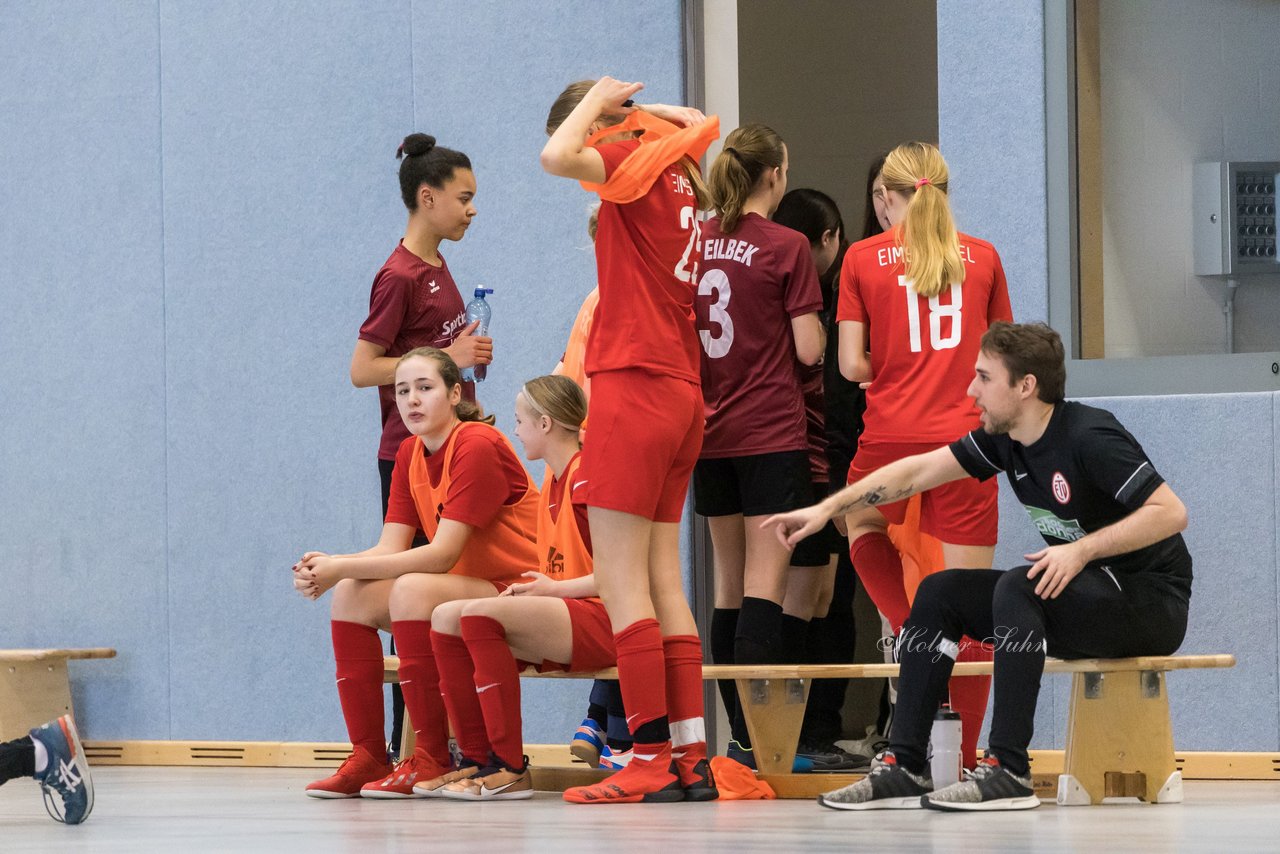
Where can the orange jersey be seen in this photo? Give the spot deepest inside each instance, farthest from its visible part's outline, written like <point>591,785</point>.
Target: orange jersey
<point>923,349</point>
<point>499,551</point>
<point>562,549</point>
<point>574,361</point>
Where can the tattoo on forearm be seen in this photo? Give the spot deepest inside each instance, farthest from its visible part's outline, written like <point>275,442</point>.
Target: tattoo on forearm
<point>874,496</point>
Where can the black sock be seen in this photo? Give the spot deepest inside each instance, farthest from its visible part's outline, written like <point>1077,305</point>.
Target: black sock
<point>17,759</point>
<point>724,625</point>
<point>758,641</point>
<point>795,634</point>
<point>598,715</point>
<point>618,736</point>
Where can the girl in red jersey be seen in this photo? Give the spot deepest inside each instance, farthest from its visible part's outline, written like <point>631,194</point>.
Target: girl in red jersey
<point>646,415</point>
<point>925,294</point>
<point>552,618</point>
<point>459,480</point>
<point>414,301</point>
<point>759,300</point>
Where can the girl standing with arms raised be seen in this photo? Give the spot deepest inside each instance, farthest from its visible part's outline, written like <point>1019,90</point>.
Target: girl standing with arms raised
<point>761,296</point>
<point>925,294</point>
<point>646,415</point>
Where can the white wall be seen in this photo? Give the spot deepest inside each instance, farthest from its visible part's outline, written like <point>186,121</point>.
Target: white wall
<point>1183,81</point>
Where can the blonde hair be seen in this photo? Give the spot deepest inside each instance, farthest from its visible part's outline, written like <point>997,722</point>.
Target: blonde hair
<point>568,100</point>
<point>466,410</point>
<point>557,397</point>
<point>928,234</point>
<point>749,152</point>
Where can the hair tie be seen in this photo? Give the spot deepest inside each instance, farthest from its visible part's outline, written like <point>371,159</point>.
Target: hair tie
<point>733,151</point>
<point>400,151</point>
<point>922,182</point>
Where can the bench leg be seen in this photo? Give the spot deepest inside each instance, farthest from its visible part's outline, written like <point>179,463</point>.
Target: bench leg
<point>1119,740</point>
<point>32,692</point>
<point>774,712</point>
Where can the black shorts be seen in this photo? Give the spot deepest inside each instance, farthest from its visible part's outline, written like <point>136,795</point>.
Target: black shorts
<point>816,550</point>
<point>755,485</point>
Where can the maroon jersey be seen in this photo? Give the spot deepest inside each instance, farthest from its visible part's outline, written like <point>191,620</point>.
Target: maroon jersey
<point>751,284</point>
<point>412,304</point>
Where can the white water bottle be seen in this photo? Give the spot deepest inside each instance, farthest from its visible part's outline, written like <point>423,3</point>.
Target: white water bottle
<point>944,748</point>
<point>478,309</point>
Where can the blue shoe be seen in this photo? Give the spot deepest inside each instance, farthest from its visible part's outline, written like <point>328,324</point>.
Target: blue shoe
<point>745,756</point>
<point>67,773</point>
<point>611,760</point>
<point>588,743</point>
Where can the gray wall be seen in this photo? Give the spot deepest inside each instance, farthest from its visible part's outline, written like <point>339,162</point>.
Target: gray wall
<point>1182,82</point>
<point>1217,451</point>
<point>198,198</point>
<point>842,83</point>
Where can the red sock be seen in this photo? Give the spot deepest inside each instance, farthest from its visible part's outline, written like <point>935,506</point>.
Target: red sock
<point>969,695</point>
<point>420,684</point>
<point>496,671</point>
<point>642,673</point>
<point>683,654</point>
<point>458,685</point>
<point>357,652</point>
<point>879,568</point>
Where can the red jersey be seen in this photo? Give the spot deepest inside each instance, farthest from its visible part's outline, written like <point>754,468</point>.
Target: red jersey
<point>752,283</point>
<point>477,479</point>
<point>564,540</point>
<point>647,256</point>
<point>412,304</point>
<point>922,349</point>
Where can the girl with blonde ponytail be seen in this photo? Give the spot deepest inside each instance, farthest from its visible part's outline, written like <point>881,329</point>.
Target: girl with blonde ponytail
<point>758,322</point>
<point>923,294</point>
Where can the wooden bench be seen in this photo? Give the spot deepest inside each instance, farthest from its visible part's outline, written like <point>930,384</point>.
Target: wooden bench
<point>1119,735</point>
<point>34,687</point>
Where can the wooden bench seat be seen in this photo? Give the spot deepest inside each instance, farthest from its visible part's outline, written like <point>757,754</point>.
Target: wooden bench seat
<point>34,687</point>
<point>1119,735</point>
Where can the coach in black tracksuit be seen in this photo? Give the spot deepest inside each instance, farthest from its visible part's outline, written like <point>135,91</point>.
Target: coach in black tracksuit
<point>1114,580</point>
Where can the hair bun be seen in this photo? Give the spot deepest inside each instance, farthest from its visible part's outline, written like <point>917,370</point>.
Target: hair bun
<point>415,144</point>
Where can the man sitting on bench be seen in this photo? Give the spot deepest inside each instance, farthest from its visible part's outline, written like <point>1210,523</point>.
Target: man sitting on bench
<point>1114,580</point>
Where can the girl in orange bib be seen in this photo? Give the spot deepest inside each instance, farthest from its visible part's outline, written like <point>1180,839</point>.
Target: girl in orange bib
<point>552,620</point>
<point>458,478</point>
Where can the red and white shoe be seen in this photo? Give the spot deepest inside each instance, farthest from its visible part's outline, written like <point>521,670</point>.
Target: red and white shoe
<point>358,769</point>
<point>649,777</point>
<point>399,783</point>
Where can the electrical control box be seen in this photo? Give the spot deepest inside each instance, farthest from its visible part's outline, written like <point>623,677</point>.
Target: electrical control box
<point>1234,218</point>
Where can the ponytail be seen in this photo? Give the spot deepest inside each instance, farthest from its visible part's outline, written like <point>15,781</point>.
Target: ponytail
<point>748,152</point>
<point>466,410</point>
<point>928,234</point>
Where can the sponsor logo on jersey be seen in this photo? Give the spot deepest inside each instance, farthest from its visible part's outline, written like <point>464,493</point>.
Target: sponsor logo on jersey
<point>1061,490</point>
<point>1051,526</point>
<point>450,328</point>
<point>555,562</point>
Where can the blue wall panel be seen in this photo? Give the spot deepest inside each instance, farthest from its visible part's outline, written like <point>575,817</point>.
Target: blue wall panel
<point>81,344</point>
<point>991,128</point>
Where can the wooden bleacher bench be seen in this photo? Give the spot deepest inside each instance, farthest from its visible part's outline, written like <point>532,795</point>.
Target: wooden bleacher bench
<point>1119,735</point>
<point>34,686</point>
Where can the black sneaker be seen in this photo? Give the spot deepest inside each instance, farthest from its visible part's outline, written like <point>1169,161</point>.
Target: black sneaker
<point>888,786</point>
<point>703,788</point>
<point>826,757</point>
<point>985,788</point>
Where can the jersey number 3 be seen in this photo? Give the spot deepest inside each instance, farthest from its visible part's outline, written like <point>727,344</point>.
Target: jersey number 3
<point>937,313</point>
<point>716,282</point>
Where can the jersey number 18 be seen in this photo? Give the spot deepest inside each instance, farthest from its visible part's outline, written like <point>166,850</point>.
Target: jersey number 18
<point>937,313</point>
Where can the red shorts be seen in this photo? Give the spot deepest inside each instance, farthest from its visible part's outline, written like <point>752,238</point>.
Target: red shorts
<point>592,638</point>
<point>964,512</point>
<point>645,436</point>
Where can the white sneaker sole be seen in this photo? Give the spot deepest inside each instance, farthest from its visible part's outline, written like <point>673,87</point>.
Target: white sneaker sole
<point>1024,803</point>
<point>328,796</point>
<point>385,795</point>
<point>908,803</point>
<point>520,795</point>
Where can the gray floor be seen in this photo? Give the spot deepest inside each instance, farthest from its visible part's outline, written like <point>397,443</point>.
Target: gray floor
<point>235,809</point>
